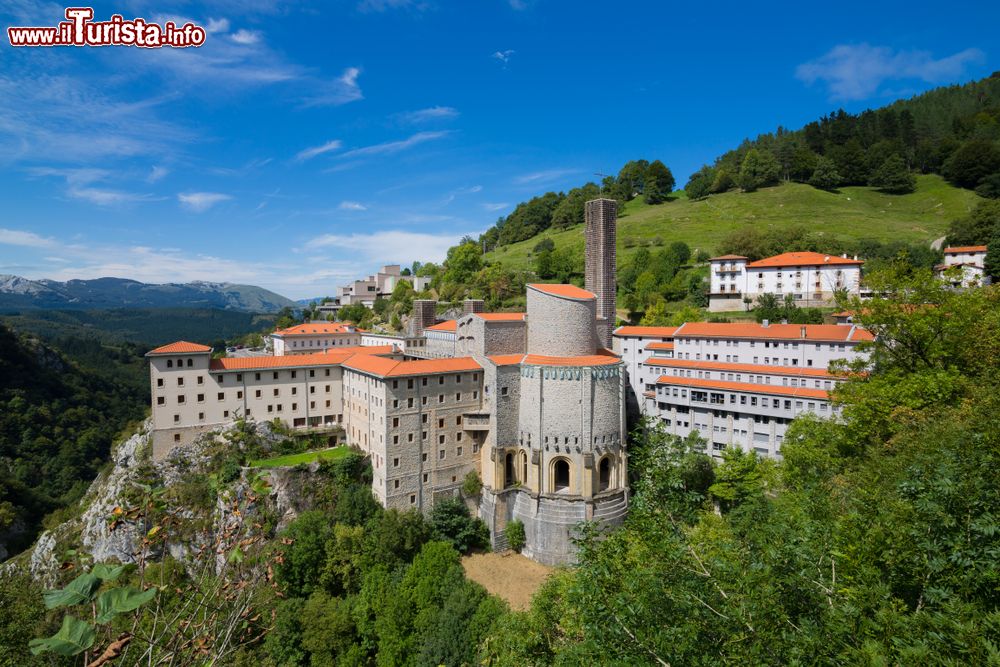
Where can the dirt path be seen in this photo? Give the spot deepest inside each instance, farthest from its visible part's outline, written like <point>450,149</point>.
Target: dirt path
<point>508,575</point>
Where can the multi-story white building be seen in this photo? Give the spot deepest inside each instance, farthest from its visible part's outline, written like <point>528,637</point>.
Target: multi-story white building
<point>812,279</point>
<point>964,266</point>
<point>315,337</point>
<point>734,383</point>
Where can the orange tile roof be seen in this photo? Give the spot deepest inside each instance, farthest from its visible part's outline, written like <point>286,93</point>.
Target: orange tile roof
<point>314,328</point>
<point>564,291</point>
<point>662,332</point>
<point>964,249</point>
<point>501,317</point>
<point>447,325</point>
<point>803,259</point>
<point>334,357</point>
<point>813,332</point>
<point>506,359</point>
<point>603,358</point>
<point>727,257</point>
<point>746,387</point>
<point>384,367</point>
<point>796,371</point>
<point>180,347</point>
<point>659,346</point>
<point>586,360</point>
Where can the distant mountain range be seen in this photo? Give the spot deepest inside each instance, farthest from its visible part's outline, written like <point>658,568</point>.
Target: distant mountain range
<point>18,292</point>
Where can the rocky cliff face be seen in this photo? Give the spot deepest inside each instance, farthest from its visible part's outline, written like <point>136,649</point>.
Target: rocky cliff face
<point>114,528</point>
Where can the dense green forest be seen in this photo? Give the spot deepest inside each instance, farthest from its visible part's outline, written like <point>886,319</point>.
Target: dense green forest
<point>144,326</point>
<point>60,411</point>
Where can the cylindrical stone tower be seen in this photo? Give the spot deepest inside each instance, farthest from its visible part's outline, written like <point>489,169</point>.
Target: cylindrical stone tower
<point>561,320</point>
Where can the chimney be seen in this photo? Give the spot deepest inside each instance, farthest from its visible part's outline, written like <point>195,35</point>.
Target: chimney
<point>844,255</point>
<point>473,306</point>
<point>765,323</point>
<point>424,315</point>
<point>802,331</point>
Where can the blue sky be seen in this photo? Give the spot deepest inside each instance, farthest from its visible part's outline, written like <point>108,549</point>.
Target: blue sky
<point>306,144</point>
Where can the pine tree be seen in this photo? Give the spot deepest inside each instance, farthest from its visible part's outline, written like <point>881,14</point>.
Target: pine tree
<point>893,177</point>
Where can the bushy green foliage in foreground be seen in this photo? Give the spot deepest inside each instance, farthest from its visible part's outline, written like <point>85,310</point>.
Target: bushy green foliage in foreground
<point>873,542</point>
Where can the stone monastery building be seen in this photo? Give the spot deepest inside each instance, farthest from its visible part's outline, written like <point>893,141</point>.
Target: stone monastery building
<point>533,402</point>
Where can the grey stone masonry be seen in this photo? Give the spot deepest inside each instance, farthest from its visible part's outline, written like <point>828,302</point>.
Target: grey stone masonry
<point>601,218</point>
<point>473,306</point>
<point>424,315</point>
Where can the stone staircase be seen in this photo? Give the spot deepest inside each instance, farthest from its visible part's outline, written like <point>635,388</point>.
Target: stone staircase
<point>500,542</point>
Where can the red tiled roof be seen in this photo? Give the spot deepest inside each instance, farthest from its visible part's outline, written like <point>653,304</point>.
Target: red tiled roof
<point>314,328</point>
<point>601,359</point>
<point>746,387</point>
<point>660,346</point>
<point>661,332</point>
<point>803,259</point>
<point>954,250</point>
<point>796,371</point>
<point>564,291</point>
<point>586,360</point>
<point>813,332</point>
<point>390,368</point>
<point>506,359</point>
<point>180,347</point>
<point>501,317</point>
<point>447,325</point>
<point>333,357</point>
<point>727,257</point>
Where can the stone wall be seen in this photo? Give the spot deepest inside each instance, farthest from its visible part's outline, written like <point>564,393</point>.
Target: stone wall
<point>560,327</point>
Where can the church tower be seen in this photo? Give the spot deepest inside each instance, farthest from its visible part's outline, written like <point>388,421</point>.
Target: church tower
<point>602,218</point>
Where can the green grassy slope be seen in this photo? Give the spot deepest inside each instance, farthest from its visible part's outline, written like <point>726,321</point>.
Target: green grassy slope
<point>850,213</point>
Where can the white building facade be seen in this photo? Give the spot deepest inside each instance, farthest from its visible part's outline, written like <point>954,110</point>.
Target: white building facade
<point>811,278</point>
<point>315,337</point>
<point>964,266</point>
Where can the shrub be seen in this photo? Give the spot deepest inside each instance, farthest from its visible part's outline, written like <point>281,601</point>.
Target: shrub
<point>472,484</point>
<point>515,535</point>
<point>452,523</point>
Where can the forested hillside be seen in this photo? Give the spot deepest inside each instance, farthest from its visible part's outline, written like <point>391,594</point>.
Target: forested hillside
<point>59,413</point>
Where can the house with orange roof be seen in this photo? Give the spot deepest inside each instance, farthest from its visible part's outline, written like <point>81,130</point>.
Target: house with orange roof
<point>812,278</point>
<point>964,266</point>
<point>314,337</point>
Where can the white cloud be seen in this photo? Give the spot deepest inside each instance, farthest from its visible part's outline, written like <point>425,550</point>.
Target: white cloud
<point>504,56</point>
<point>352,206</point>
<point>545,176</point>
<point>396,146</point>
<point>342,90</point>
<point>201,201</point>
<point>24,239</point>
<point>79,185</point>
<point>495,206</point>
<point>857,71</point>
<point>309,153</point>
<point>245,37</point>
<point>389,246</point>
<point>475,188</point>
<point>384,5</point>
<point>157,173</point>
<point>428,114</point>
<point>217,25</point>
<point>518,4</point>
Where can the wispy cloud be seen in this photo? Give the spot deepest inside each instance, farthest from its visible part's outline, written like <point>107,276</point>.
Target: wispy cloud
<point>217,25</point>
<point>545,176</point>
<point>857,71</point>
<point>518,5</point>
<point>25,239</point>
<point>428,114</point>
<point>157,173</point>
<point>309,153</point>
<point>245,37</point>
<point>80,185</point>
<point>342,90</point>
<point>352,206</point>
<point>390,147</point>
<point>201,201</point>
<point>504,56</point>
<point>385,5</point>
<point>389,246</point>
<point>498,206</point>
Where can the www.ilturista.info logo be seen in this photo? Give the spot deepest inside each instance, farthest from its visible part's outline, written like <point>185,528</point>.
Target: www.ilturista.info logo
<point>80,30</point>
